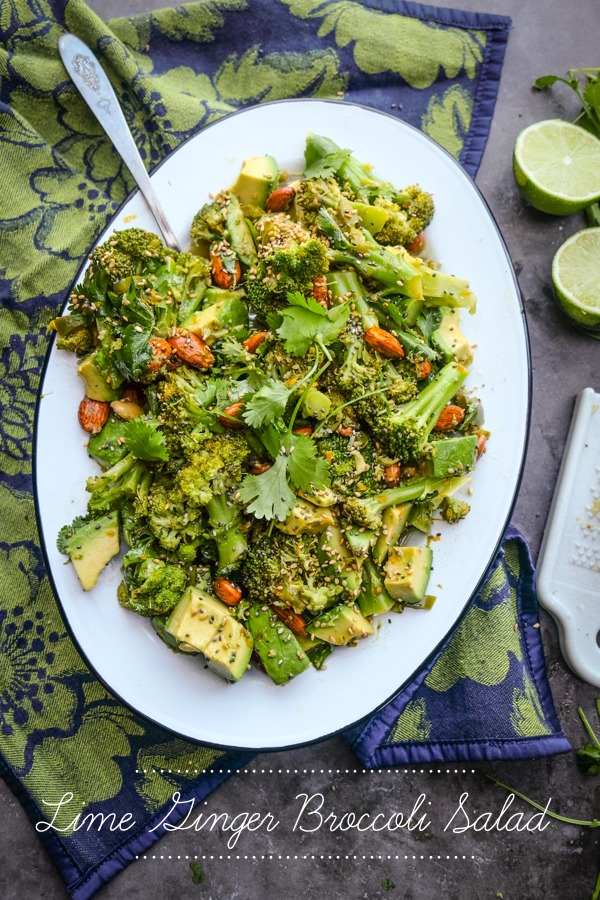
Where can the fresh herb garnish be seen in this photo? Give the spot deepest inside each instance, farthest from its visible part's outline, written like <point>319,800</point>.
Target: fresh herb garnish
<point>305,322</point>
<point>143,438</point>
<point>197,872</point>
<point>589,94</point>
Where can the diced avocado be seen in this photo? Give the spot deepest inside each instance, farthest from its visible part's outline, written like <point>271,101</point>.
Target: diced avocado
<point>213,322</point>
<point>239,233</point>
<point>323,497</point>
<point>421,515</point>
<point>159,624</point>
<point>280,653</point>
<point>340,625</point>
<point>449,339</point>
<point>407,571</point>
<point>394,520</point>
<point>104,447</point>
<point>257,178</point>
<point>96,385</point>
<point>304,518</point>
<point>318,653</point>
<point>373,598</point>
<point>92,546</point>
<point>373,218</point>
<point>228,653</point>
<point>337,560</point>
<point>196,619</point>
<point>453,456</point>
<point>360,539</point>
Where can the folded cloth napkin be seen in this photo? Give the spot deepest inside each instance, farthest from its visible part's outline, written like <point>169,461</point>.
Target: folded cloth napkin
<point>175,71</point>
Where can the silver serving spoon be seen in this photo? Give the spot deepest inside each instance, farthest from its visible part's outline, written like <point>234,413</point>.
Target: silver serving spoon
<point>95,88</point>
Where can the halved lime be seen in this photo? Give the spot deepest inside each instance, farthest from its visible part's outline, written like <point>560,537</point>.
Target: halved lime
<point>557,166</point>
<point>576,278</point>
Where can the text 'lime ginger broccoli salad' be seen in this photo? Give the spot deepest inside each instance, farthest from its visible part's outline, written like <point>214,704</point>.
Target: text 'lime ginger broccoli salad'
<point>279,415</point>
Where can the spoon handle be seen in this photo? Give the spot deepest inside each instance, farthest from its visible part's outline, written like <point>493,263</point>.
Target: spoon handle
<point>95,88</point>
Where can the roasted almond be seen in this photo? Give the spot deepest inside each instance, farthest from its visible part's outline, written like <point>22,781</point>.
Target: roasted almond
<point>161,351</point>
<point>227,591</point>
<point>93,414</point>
<point>320,291</point>
<point>293,621</point>
<point>230,417</point>
<point>423,369</point>
<point>384,342</point>
<point>481,444</point>
<point>191,349</point>
<point>259,468</point>
<point>281,198</point>
<point>221,274</point>
<point>417,245</point>
<point>449,418</point>
<point>391,474</point>
<point>252,343</point>
<point>132,393</point>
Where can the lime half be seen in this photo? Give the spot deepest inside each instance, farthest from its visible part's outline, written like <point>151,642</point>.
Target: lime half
<point>576,277</point>
<point>557,166</point>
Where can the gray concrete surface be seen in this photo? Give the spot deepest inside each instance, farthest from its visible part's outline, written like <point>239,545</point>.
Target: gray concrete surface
<point>562,862</point>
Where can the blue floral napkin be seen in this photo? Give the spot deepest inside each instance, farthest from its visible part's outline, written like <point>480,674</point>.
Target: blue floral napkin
<point>62,733</point>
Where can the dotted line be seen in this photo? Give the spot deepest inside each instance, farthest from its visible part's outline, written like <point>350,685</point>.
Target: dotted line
<point>155,771</point>
<point>310,856</point>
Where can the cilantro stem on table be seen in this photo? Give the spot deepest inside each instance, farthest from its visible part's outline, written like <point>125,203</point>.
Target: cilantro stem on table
<point>586,823</point>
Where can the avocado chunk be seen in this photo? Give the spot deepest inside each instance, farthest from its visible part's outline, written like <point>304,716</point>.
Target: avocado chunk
<point>229,651</point>
<point>394,520</point>
<point>104,447</point>
<point>407,572</point>
<point>215,319</point>
<point>257,178</point>
<point>96,385</point>
<point>159,625</point>
<point>360,539</point>
<point>280,653</point>
<point>449,339</point>
<point>340,625</point>
<point>240,236</point>
<point>196,619</point>
<point>453,456</point>
<point>337,560</point>
<point>373,598</point>
<point>92,546</point>
<point>304,518</point>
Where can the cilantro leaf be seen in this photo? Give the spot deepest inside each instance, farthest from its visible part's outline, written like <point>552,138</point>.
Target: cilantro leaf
<point>197,872</point>
<point>134,354</point>
<point>307,470</point>
<point>267,404</point>
<point>268,495</point>
<point>295,298</point>
<point>143,439</point>
<point>327,165</point>
<point>302,326</point>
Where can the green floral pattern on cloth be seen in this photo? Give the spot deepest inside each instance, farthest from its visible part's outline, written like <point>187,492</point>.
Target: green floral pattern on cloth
<point>174,71</point>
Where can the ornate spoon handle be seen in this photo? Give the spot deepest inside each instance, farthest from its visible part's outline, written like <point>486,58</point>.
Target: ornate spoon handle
<point>95,88</point>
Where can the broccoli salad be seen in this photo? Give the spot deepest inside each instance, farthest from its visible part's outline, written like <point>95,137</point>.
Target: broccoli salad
<point>279,415</point>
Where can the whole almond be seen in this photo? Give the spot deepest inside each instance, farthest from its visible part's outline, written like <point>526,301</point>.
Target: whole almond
<point>384,342</point>
<point>161,351</point>
<point>449,418</point>
<point>191,349</point>
<point>391,474</point>
<point>222,277</point>
<point>93,414</point>
<point>294,622</point>
<point>252,343</point>
<point>280,199</point>
<point>320,291</point>
<point>227,591</point>
<point>230,417</point>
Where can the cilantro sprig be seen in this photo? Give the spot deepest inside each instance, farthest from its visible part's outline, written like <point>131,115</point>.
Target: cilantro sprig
<point>306,322</point>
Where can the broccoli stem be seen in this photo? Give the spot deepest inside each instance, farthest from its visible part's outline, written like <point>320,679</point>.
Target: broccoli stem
<point>122,481</point>
<point>225,518</point>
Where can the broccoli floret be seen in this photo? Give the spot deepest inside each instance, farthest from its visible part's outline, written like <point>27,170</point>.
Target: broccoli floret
<point>286,568</point>
<point>283,270</point>
<point>406,219</point>
<point>209,222</point>
<point>366,511</point>
<point>151,587</point>
<point>215,467</point>
<point>176,525</point>
<point>370,259</point>
<point>453,509</point>
<point>186,399</point>
<point>79,341</point>
<point>128,479</point>
<point>314,193</point>
<point>127,253</point>
<point>405,430</point>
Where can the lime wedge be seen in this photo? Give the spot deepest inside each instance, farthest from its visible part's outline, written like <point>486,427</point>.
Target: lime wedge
<point>557,166</point>
<point>576,278</point>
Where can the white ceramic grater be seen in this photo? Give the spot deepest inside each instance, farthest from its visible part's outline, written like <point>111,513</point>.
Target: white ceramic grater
<point>568,578</point>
